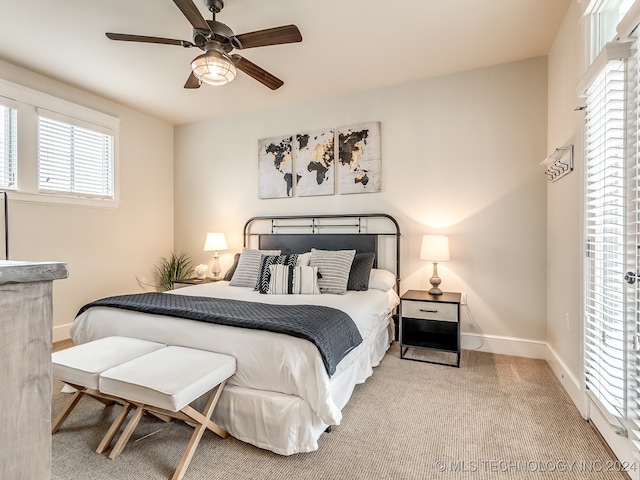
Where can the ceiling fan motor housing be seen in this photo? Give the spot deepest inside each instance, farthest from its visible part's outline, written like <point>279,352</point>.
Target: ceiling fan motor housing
<point>218,32</point>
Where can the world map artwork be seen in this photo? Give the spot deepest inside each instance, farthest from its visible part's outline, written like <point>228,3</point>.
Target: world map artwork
<point>314,159</point>
<point>275,167</point>
<point>311,164</point>
<point>359,158</point>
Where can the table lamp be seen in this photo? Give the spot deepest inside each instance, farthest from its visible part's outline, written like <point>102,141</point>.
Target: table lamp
<point>215,242</point>
<point>435,248</point>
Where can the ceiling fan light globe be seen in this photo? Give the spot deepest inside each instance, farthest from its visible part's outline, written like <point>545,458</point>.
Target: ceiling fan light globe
<point>214,68</point>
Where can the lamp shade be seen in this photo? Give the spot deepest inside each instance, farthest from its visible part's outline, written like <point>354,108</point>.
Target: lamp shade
<point>435,248</point>
<point>214,68</point>
<point>215,242</point>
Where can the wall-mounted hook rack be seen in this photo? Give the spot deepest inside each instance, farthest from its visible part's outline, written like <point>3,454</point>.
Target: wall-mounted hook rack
<point>559,163</point>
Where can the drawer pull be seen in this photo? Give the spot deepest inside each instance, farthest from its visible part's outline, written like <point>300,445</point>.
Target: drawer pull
<point>428,311</point>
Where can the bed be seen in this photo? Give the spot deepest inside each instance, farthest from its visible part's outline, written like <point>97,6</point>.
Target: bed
<point>284,395</point>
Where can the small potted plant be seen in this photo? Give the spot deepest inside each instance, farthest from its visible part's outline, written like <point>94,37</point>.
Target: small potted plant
<point>172,269</point>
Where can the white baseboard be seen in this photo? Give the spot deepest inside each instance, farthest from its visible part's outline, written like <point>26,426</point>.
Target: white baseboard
<point>62,332</point>
<point>570,383</point>
<point>518,347</point>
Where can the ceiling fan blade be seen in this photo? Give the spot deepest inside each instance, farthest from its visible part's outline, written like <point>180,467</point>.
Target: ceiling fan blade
<point>256,72</point>
<point>141,38</point>
<point>270,36</point>
<point>189,10</point>
<point>192,82</point>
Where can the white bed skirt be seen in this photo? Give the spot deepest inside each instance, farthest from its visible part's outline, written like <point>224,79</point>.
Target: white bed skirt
<point>285,424</point>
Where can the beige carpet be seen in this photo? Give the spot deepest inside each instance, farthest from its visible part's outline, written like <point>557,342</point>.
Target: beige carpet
<point>495,417</point>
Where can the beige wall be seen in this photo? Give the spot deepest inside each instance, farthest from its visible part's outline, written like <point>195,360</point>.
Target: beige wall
<point>564,201</point>
<point>105,248</point>
<point>461,156</point>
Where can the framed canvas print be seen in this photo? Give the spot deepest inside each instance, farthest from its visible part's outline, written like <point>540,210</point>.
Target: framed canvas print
<point>275,167</point>
<point>359,158</point>
<point>314,162</point>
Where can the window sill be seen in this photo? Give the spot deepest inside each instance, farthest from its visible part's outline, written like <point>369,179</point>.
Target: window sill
<point>48,199</point>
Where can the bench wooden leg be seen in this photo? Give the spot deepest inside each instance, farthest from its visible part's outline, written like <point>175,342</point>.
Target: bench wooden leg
<point>161,416</point>
<point>126,434</point>
<point>80,392</point>
<point>114,428</point>
<point>203,424</point>
<point>67,410</point>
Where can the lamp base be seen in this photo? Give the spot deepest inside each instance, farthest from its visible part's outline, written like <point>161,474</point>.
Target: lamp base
<point>215,267</point>
<point>435,291</point>
<point>435,281</point>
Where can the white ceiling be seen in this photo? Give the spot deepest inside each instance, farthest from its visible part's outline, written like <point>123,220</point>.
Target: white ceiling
<point>348,45</point>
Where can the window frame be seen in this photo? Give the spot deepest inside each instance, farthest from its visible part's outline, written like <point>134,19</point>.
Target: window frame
<point>12,106</point>
<point>29,103</point>
<point>52,123</point>
<point>615,423</point>
<point>602,19</point>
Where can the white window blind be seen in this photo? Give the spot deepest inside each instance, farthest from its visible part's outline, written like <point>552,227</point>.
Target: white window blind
<point>8,147</point>
<point>604,345</point>
<point>74,159</point>
<point>633,236</point>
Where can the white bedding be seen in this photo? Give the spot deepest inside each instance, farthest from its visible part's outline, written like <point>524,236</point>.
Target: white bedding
<point>280,381</point>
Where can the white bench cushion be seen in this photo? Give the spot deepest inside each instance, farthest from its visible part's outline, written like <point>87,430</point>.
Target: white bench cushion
<point>82,364</point>
<point>168,378</point>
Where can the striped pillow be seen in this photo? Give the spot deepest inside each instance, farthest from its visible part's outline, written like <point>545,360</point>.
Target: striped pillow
<point>248,269</point>
<point>262,285</point>
<point>287,280</point>
<point>334,267</point>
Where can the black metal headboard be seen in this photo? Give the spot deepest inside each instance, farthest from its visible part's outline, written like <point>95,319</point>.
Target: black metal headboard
<point>300,233</point>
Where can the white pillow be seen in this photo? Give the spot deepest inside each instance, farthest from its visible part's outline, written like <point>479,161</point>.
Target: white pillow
<point>293,280</point>
<point>303,259</point>
<point>334,267</point>
<point>248,269</point>
<point>382,279</point>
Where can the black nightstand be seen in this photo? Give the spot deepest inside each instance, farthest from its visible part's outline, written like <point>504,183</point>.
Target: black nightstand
<point>430,322</point>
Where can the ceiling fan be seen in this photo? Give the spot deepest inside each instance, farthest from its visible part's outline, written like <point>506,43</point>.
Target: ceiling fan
<point>215,66</point>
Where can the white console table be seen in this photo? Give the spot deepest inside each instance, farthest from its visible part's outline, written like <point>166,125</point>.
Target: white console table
<point>26,315</point>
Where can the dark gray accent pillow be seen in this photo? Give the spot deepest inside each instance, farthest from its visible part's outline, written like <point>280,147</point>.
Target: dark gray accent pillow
<point>264,277</point>
<point>361,271</point>
<point>229,275</point>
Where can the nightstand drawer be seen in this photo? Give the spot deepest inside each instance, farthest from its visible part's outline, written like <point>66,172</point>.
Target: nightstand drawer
<point>446,312</point>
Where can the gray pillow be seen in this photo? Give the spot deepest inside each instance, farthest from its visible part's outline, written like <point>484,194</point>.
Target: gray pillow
<point>361,271</point>
<point>248,269</point>
<point>229,275</point>
<point>333,267</point>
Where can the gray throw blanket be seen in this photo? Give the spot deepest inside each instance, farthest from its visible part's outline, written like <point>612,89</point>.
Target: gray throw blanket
<point>331,330</point>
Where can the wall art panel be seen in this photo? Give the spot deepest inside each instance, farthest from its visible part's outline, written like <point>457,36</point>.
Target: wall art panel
<point>359,158</point>
<point>314,161</point>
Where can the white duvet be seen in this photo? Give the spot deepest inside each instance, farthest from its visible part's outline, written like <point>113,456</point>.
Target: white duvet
<point>266,361</point>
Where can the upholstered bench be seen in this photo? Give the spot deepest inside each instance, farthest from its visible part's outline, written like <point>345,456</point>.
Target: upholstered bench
<point>80,367</point>
<point>166,381</point>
